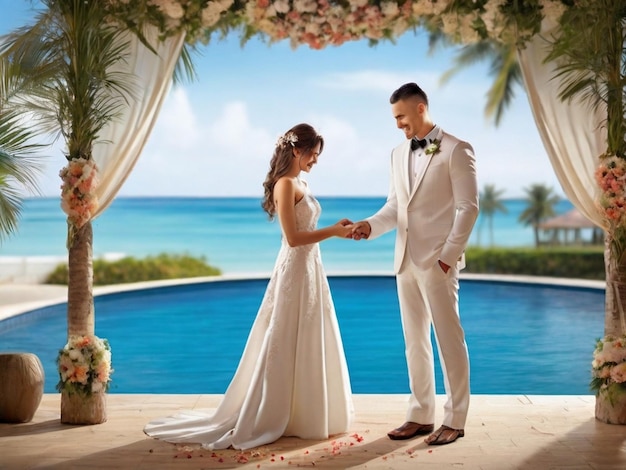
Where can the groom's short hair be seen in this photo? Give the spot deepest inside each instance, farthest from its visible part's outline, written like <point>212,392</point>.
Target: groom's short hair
<point>409,90</point>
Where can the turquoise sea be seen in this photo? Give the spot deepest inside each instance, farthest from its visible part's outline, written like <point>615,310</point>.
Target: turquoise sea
<point>233,234</point>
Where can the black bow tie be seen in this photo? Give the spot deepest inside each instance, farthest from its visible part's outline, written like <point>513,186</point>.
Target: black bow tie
<point>418,143</point>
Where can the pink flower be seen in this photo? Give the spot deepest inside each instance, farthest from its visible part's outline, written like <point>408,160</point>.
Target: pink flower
<point>78,191</point>
<point>618,373</point>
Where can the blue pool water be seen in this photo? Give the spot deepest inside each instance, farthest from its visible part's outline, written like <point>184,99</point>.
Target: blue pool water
<point>522,339</point>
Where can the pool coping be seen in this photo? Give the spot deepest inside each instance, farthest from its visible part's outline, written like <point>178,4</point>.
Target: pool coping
<point>58,294</point>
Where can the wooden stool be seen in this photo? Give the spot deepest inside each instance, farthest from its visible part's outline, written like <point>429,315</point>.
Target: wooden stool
<point>21,386</point>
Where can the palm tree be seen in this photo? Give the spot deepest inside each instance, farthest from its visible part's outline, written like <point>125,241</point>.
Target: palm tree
<point>59,72</point>
<point>540,206</point>
<point>490,203</point>
<point>63,62</point>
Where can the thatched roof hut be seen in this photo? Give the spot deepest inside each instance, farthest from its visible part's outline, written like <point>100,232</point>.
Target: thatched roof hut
<point>571,228</point>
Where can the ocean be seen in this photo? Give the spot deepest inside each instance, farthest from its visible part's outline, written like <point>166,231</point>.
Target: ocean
<point>232,234</point>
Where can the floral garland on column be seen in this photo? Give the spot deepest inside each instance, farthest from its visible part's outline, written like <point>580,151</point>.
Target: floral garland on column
<point>84,365</point>
<point>611,178</point>
<point>609,366</point>
<point>609,357</point>
<point>78,193</point>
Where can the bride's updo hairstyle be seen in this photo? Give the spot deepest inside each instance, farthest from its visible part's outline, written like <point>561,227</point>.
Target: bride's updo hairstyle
<point>301,136</point>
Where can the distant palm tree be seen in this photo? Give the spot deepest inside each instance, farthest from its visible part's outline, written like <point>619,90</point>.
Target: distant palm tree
<point>490,203</point>
<point>540,206</point>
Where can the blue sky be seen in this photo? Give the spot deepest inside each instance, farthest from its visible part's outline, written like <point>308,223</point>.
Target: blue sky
<point>215,136</point>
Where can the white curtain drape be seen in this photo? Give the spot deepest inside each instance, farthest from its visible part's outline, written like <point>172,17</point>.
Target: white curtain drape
<point>573,134</point>
<point>121,142</point>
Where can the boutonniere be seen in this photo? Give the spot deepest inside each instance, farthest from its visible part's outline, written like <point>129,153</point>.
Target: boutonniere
<point>433,147</point>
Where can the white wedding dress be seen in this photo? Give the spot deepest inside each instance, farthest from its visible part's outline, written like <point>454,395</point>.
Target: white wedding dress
<point>292,379</point>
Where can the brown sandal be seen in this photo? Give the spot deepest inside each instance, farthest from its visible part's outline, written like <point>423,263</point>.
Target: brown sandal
<point>444,435</point>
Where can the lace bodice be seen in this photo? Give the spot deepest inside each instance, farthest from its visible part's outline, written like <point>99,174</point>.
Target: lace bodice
<point>308,212</point>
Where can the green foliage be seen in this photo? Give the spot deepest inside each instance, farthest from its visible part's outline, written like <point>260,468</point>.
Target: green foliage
<point>132,269</point>
<point>589,54</point>
<point>19,169</point>
<point>580,263</point>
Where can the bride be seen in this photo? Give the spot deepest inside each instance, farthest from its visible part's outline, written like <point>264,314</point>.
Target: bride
<point>292,379</point>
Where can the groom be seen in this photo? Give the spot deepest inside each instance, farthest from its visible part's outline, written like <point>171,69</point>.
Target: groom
<point>432,204</point>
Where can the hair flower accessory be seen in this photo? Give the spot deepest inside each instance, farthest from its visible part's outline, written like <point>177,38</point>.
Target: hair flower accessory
<point>289,138</point>
<point>433,147</point>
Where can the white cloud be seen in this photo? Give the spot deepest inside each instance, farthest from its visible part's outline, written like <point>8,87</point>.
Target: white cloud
<point>234,133</point>
<point>365,80</point>
<point>195,153</point>
<point>177,124</point>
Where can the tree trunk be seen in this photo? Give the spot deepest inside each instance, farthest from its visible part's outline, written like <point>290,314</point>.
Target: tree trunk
<point>611,407</point>
<point>80,310</point>
<point>83,409</point>
<point>615,306</point>
<point>78,408</point>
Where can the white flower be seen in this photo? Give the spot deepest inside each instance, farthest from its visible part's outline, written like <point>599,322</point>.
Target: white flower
<point>423,8</point>
<point>389,9</point>
<point>171,8</point>
<point>493,18</point>
<point>358,3</point>
<point>552,9</point>
<point>312,28</point>
<point>282,6</point>
<point>288,138</point>
<point>433,147</point>
<point>450,24</point>
<point>305,6</point>
<point>76,355</point>
<point>211,14</point>
<point>400,27</point>
<point>440,5</point>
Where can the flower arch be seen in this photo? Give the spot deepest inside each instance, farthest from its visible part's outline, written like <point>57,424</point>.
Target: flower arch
<point>322,23</point>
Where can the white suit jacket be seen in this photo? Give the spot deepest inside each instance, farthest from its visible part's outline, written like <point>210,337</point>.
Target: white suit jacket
<point>434,218</point>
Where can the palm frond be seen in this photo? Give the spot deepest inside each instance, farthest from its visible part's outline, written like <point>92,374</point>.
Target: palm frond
<point>503,66</point>
<point>468,56</point>
<point>66,64</point>
<point>591,62</point>
<point>19,169</point>
<point>185,70</point>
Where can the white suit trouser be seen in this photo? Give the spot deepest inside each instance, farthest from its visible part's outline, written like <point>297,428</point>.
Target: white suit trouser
<point>431,297</point>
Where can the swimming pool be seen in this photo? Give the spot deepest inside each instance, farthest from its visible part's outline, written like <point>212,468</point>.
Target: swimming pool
<point>522,338</point>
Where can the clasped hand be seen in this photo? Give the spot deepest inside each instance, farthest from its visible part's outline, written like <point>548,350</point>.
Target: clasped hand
<point>354,230</point>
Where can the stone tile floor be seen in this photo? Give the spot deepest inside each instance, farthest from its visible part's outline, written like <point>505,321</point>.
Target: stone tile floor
<point>503,432</point>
